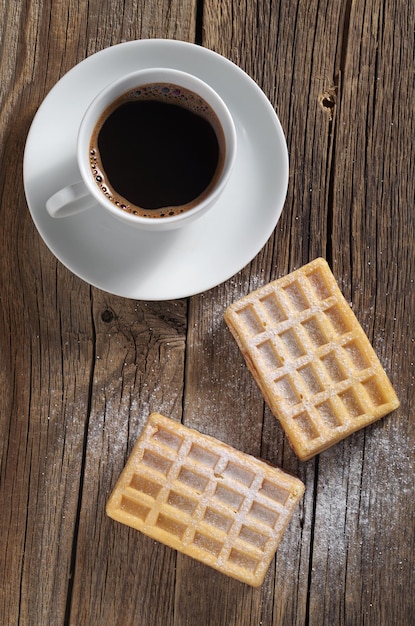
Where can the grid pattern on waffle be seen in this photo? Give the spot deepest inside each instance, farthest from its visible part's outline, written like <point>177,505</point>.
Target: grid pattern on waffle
<point>311,358</point>
<point>206,499</point>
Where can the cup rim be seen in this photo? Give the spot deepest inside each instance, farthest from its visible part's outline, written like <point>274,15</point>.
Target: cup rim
<point>153,75</point>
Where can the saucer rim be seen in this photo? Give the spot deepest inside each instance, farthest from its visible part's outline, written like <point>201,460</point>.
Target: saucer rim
<point>208,281</point>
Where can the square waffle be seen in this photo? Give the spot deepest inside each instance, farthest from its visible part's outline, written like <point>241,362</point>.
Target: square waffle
<point>205,499</point>
<point>311,358</point>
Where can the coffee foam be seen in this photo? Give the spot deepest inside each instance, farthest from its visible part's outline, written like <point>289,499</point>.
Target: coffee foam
<point>162,92</point>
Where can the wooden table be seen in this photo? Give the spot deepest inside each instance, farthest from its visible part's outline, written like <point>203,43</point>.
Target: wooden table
<point>82,369</point>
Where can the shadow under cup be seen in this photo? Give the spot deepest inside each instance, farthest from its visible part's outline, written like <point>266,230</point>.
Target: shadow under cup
<point>158,150</point>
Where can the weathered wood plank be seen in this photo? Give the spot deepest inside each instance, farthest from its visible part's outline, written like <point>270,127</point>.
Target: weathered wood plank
<point>361,484</point>
<point>295,64</point>
<point>138,368</point>
<point>56,352</point>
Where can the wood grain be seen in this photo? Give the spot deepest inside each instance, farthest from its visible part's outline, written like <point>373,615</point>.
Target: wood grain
<point>81,369</point>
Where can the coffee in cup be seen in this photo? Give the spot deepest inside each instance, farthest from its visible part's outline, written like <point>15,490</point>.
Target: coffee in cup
<point>157,150</point>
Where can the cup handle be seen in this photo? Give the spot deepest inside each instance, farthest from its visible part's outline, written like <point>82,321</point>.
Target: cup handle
<point>70,200</point>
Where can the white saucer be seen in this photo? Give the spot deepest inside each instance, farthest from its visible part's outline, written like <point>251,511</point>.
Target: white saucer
<point>174,264</point>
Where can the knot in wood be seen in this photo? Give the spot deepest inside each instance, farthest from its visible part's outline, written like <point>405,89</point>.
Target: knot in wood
<point>107,316</point>
<point>328,100</point>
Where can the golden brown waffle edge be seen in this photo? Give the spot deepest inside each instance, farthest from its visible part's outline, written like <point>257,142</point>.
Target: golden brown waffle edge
<point>205,499</point>
<point>311,358</point>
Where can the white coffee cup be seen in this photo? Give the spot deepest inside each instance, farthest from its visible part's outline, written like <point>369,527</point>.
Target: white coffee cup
<point>85,193</point>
